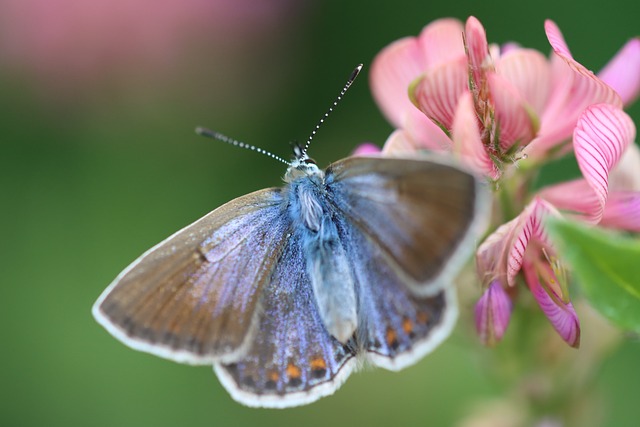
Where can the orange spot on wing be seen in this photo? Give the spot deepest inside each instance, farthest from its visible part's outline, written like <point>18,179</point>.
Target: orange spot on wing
<point>318,363</point>
<point>293,371</point>
<point>273,376</point>
<point>407,325</point>
<point>392,337</point>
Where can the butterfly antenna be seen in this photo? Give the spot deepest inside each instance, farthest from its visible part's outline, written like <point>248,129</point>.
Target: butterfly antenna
<point>352,77</point>
<point>220,137</point>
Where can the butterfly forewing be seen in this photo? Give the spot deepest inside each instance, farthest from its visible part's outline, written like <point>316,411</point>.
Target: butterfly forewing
<point>292,360</point>
<point>194,297</point>
<point>422,214</point>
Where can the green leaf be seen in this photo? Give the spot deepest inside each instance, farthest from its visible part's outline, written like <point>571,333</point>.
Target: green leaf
<point>606,266</point>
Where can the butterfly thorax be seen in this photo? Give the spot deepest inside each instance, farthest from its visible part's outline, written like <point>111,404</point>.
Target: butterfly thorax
<point>306,200</point>
<point>303,167</point>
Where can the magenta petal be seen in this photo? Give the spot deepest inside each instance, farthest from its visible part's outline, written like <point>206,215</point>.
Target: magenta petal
<point>562,316</point>
<point>392,70</point>
<point>622,73</point>
<point>622,211</point>
<point>441,41</point>
<point>467,141</point>
<point>492,314</point>
<point>436,94</point>
<point>515,123</point>
<point>601,135</point>
<point>366,149</point>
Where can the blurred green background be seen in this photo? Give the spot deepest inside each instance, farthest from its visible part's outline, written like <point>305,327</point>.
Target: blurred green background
<point>99,162</point>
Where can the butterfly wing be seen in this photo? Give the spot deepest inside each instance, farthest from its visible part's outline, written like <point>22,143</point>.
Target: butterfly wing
<point>396,328</point>
<point>407,226</point>
<point>194,297</point>
<point>292,360</point>
<point>423,215</point>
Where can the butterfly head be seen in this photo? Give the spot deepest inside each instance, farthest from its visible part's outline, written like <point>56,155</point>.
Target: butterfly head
<point>302,165</point>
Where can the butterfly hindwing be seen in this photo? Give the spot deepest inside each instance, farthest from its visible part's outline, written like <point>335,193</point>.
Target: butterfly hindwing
<point>420,213</point>
<point>395,327</point>
<point>292,360</point>
<point>193,297</point>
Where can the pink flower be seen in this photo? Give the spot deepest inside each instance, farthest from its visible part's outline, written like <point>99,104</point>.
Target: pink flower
<point>602,134</point>
<point>489,103</point>
<point>449,90</point>
<point>492,314</point>
<point>523,245</point>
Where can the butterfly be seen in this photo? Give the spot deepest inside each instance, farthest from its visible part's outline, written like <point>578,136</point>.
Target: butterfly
<point>286,290</point>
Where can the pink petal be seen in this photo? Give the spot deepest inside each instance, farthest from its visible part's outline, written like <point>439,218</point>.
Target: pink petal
<point>622,73</point>
<point>425,132</point>
<point>509,47</point>
<point>366,149</point>
<point>573,88</point>
<point>492,314</point>
<point>574,198</point>
<point>530,73</point>
<point>562,316</point>
<point>529,227</point>
<point>467,142</point>
<point>419,134</point>
<point>601,135</point>
<point>441,41</point>
<point>436,94</point>
<point>625,176</point>
<point>400,63</point>
<point>515,122</point>
<point>477,48</point>
<point>494,51</point>
<point>622,211</point>
<point>392,70</point>
<point>400,143</point>
<point>491,254</point>
<point>556,39</point>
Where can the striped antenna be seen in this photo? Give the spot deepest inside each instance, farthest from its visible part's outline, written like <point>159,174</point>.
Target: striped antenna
<point>352,77</point>
<point>220,137</point>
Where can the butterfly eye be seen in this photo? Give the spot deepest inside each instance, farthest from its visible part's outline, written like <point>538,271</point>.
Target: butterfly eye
<point>309,161</point>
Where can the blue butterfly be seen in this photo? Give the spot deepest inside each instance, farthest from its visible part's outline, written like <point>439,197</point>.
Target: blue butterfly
<point>283,290</point>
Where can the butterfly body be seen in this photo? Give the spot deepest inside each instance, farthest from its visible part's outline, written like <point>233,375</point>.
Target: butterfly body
<point>312,215</point>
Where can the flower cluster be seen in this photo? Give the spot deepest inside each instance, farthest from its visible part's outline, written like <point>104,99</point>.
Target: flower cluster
<point>504,111</point>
